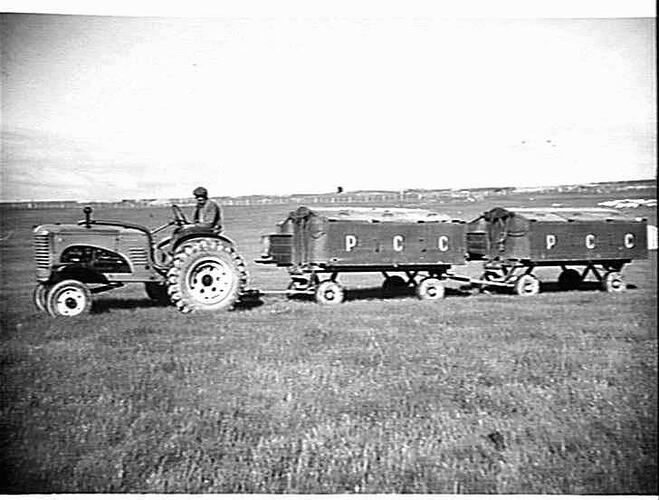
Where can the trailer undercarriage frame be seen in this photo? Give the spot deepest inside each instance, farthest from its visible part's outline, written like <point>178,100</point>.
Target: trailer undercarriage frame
<point>517,275</point>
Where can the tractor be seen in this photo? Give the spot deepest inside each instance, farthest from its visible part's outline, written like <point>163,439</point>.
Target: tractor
<point>195,268</point>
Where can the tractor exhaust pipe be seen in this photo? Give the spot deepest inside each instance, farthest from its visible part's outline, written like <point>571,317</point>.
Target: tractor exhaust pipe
<point>88,216</point>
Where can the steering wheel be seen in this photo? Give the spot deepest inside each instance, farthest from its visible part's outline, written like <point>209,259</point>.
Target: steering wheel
<point>179,216</point>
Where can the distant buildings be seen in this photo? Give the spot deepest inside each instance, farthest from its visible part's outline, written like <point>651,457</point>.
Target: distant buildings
<point>45,204</point>
<point>406,196</point>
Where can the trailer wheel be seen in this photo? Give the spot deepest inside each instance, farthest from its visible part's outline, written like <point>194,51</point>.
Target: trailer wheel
<point>205,275</point>
<point>430,289</point>
<point>527,285</point>
<point>329,292</point>
<point>157,292</point>
<point>393,285</point>
<point>68,298</point>
<point>39,296</point>
<point>613,282</point>
<point>569,279</point>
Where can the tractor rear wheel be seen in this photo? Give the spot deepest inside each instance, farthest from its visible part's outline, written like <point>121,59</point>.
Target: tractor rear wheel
<point>68,298</point>
<point>206,275</point>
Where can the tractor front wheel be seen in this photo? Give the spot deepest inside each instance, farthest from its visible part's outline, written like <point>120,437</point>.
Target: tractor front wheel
<point>39,296</point>
<point>68,298</point>
<point>206,275</point>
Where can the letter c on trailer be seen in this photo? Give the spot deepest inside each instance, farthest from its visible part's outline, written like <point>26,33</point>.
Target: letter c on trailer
<point>629,240</point>
<point>398,243</point>
<point>442,243</point>
<point>590,241</point>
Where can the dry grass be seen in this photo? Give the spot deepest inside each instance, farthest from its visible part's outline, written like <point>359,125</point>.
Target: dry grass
<point>484,394</point>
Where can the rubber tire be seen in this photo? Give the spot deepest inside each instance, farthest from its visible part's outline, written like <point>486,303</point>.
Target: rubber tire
<point>39,296</point>
<point>329,292</point>
<point>527,285</point>
<point>613,282</point>
<point>570,279</point>
<point>157,292</point>
<point>186,259</point>
<point>76,291</point>
<point>430,289</point>
<point>393,285</point>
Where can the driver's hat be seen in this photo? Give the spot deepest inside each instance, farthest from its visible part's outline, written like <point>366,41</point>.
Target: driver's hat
<point>200,191</point>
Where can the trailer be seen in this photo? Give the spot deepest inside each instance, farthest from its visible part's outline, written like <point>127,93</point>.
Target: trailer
<point>512,242</point>
<point>409,247</point>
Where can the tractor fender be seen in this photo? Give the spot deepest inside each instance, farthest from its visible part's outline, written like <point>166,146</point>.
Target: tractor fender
<point>196,234</point>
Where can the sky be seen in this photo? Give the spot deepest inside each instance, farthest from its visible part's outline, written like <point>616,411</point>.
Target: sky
<point>302,101</point>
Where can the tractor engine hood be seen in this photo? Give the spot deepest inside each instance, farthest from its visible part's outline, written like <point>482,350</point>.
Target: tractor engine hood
<point>104,228</point>
<point>74,228</point>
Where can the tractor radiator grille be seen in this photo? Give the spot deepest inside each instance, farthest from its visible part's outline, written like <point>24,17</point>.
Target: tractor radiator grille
<point>42,250</point>
<point>138,256</point>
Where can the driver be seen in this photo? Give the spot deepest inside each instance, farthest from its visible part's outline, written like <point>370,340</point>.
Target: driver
<point>207,213</point>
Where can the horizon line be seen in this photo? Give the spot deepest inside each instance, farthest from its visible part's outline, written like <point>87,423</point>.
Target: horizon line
<point>333,193</point>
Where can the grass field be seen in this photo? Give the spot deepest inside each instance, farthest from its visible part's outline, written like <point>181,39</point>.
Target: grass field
<point>555,393</point>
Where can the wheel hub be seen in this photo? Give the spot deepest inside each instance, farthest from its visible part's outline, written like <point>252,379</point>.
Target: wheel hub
<point>210,281</point>
<point>70,302</point>
<point>616,284</point>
